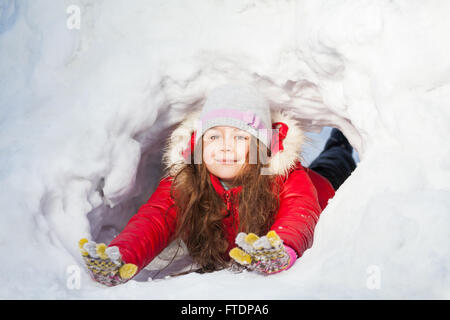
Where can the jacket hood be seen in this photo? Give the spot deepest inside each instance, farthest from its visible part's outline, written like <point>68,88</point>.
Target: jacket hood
<point>290,140</point>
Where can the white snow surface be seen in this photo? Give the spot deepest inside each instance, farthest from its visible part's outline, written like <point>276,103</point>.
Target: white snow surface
<point>84,113</point>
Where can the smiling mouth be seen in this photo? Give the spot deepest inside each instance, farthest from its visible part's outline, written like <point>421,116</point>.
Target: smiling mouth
<point>227,162</point>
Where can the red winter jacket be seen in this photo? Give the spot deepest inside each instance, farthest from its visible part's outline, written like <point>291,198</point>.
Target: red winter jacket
<point>303,196</point>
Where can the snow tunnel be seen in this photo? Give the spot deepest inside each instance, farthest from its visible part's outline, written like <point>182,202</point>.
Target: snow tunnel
<point>110,217</point>
<point>91,90</point>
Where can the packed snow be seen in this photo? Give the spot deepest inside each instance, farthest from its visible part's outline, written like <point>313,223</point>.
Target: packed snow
<point>90,90</point>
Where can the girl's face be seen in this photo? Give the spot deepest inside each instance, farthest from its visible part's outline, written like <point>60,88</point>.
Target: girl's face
<point>225,150</point>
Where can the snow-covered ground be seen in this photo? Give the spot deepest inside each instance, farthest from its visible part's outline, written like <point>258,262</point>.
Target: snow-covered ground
<point>89,90</point>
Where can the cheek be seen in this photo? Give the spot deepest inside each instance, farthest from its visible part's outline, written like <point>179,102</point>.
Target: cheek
<point>242,150</point>
<point>208,154</point>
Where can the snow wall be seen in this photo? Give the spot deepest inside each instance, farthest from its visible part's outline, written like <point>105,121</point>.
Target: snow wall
<point>89,90</point>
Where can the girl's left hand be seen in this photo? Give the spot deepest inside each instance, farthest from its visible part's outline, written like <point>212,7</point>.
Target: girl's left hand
<point>266,254</point>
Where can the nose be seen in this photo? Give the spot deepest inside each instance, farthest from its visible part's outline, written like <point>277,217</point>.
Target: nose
<point>228,144</point>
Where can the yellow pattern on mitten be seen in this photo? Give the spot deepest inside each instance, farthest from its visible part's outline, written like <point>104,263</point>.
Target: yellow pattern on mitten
<point>81,244</point>
<point>240,256</point>
<point>127,270</point>
<point>251,238</point>
<point>274,239</point>
<point>101,247</point>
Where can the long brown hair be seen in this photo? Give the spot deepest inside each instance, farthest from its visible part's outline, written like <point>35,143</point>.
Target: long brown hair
<point>200,210</point>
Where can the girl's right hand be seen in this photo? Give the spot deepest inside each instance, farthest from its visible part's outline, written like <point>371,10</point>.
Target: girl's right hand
<point>105,264</point>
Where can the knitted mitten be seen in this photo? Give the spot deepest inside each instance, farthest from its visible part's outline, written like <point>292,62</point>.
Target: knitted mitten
<point>105,264</point>
<point>266,254</point>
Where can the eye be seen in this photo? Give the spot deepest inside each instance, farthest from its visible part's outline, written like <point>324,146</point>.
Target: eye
<point>242,137</point>
<point>213,137</point>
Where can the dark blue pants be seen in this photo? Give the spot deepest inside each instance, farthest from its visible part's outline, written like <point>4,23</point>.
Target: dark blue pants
<point>335,162</point>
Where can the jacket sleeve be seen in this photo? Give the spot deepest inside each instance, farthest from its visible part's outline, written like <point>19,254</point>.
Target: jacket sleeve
<point>299,211</point>
<point>149,231</point>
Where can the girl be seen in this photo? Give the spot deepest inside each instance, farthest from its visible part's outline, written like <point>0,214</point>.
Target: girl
<point>233,177</point>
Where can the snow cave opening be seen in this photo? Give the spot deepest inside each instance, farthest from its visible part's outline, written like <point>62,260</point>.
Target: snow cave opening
<point>107,220</point>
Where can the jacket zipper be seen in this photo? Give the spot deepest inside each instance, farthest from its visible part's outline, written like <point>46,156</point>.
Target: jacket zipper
<point>227,197</point>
